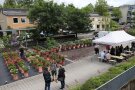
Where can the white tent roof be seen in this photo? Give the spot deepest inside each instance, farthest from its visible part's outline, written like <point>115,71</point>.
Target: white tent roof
<point>115,38</point>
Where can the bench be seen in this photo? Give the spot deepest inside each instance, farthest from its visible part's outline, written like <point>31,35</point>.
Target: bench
<point>113,62</point>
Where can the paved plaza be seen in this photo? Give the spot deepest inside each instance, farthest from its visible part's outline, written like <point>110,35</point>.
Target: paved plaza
<point>76,73</point>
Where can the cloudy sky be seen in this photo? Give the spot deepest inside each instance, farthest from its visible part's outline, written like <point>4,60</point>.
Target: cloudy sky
<point>82,3</point>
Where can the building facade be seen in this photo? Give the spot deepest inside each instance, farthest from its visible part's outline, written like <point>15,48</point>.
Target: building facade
<point>127,14</point>
<point>99,22</point>
<point>14,19</point>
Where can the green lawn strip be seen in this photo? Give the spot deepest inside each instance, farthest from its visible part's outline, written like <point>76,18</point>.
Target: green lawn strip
<point>97,81</point>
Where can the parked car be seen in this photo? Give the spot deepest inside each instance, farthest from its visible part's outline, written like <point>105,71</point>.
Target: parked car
<point>101,34</point>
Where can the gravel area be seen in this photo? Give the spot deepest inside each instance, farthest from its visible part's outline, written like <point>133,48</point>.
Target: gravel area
<point>78,53</point>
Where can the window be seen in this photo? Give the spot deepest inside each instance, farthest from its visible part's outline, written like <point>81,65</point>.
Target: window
<point>97,26</point>
<point>15,20</point>
<point>23,20</point>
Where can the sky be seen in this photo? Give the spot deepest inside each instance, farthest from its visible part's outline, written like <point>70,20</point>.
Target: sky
<point>82,3</point>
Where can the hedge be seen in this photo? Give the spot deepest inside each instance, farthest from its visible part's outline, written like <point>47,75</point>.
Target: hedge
<point>97,81</point>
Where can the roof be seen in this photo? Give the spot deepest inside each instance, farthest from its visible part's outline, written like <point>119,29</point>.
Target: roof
<point>14,12</point>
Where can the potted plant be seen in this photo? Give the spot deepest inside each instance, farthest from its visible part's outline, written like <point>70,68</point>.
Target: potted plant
<point>39,67</point>
<point>14,73</point>
<point>25,69</point>
<point>77,43</point>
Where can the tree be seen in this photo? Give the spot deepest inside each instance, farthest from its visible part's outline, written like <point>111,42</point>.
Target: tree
<point>25,3</point>
<point>134,20</point>
<point>101,7</point>
<point>47,16</point>
<point>114,25</point>
<point>77,20</point>
<point>88,9</point>
<point>9,4</point>
<point>116,13</point>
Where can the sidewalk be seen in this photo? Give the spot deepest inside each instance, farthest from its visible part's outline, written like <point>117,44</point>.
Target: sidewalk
<point>76,72</point>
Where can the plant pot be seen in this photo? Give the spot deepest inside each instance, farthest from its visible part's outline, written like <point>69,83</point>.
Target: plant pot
<point>62,63</point>
<point>69,47</point>
<point>26,74</point>
<point>85,45</point>
<point>73,46</point>
<point>15,77</point>
<point>27,59</point>
<point>40,69</point>
<point>82,45</point>
<point>78,46</point>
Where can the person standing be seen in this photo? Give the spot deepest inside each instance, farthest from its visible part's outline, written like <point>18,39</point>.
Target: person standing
<point>21,50</point>
<point>96,49</point>
<point>54,71</point>
<point>47,78</point>
<point>61,76</point>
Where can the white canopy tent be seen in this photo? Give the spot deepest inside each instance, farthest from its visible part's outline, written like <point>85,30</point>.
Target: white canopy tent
<point>116,38</point>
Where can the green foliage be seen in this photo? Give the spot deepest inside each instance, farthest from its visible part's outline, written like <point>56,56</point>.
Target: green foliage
<point>51,43</point>
<point>88,9</point>
<point>9,4</point>
<point>114,25</point>
<point>116,13</point>
<point>25,69</point>
<point>131,32</point>
<point>12,69</point>
<point>6,40</point>
<point>24,3</point>
<point>101,7</point>
<point>77,20</point>
<point>47,15</point>
<point>97,81</point>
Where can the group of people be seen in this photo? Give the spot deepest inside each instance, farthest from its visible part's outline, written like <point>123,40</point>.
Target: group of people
<point>51,75</point>
<point>105,56</point>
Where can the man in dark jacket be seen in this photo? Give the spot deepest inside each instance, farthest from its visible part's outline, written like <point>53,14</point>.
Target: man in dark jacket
<point>47,78</point>
<point>61,76</point>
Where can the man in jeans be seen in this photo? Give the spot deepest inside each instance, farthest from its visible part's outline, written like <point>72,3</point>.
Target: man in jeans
<point>47,78</point>
<point>61,76</point>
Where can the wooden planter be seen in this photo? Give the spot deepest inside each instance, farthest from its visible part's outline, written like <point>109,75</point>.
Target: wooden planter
<point>26,74</point>
<point>15,76</point>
